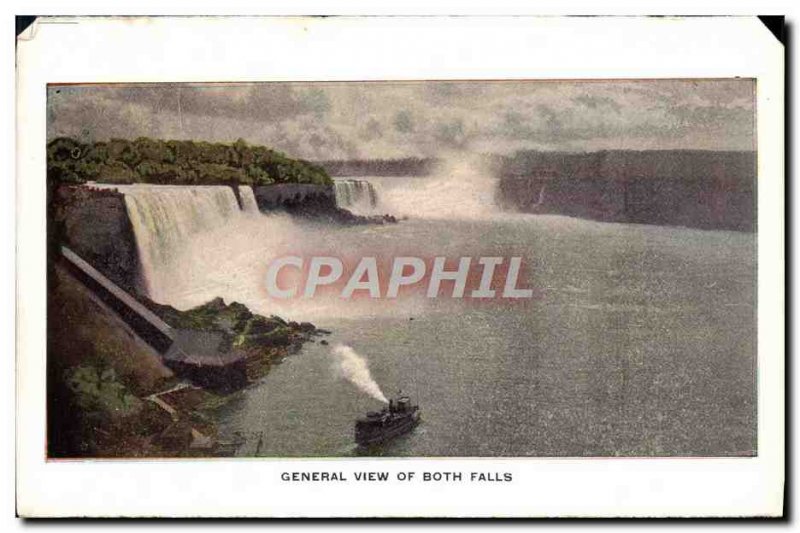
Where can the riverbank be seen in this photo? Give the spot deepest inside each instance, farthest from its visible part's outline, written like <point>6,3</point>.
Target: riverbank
<point>110,394</point>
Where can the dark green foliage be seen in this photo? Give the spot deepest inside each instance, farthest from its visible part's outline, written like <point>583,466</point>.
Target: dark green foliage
<point>98,390</point>
<point>408,166</point>
<point>262,331</point>
<point>241,326</point>
<point>175,162</point>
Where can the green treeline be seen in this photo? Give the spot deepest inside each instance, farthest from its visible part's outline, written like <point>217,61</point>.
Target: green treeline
<point>148,160</point>
<point>408,166</point>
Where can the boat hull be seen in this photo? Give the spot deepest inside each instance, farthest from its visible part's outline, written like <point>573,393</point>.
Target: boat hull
<point>388,433</point>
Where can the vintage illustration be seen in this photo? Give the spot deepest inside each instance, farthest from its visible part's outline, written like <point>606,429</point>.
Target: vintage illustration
<point>427,268</point>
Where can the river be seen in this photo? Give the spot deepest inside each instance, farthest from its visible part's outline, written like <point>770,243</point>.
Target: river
<point>640,340</point>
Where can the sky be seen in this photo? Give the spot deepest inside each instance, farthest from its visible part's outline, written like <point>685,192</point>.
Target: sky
<point>320,121</point>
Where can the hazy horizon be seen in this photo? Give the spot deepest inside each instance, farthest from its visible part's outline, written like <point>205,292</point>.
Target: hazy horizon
<point>389,120</point>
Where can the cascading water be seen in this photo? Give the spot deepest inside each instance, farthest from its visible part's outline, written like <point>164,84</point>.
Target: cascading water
<point>196,243</point>
<point>166,217</point>
<point>249,204</point>
<point>462,188</point>
<point>356,195</point>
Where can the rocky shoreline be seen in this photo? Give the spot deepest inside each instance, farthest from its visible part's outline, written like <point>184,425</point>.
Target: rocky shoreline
<point>120,396</point>
<point>331,214</point>
<point>117,397</point>
<point>263,340</point>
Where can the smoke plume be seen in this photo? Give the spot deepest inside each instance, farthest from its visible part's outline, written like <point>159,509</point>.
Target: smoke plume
<point>353,367</point>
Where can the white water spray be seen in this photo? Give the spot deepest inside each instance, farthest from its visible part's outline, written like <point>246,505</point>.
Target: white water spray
<point>462,188</point>
<point>249,204</point>
<point>353,367</point>
<point>195,244</point>
<point>165,218</point>
<point>358,196</point>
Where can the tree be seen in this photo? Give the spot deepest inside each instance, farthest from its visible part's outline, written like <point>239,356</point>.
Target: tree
<point>179,162</point>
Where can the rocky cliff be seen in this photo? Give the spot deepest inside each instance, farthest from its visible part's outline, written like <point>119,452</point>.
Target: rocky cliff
<point>316,202</point>
<point>293,195</point>
<point>709,190</point>
<point>94,223</point>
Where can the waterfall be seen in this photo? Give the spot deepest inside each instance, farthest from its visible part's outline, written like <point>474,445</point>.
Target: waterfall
<point>356,195</point>
<point>165,217</point>
<point>540,199</point>
<point>461,187</point>
<point>249,204</point>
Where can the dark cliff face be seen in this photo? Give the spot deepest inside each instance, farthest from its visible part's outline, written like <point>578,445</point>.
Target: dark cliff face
<point>313,202</point>
<point>94,223</point>
<point>290,196</point>
<point>708,190</point>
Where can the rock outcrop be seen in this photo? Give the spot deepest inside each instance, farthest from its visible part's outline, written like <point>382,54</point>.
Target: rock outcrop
<point>316,202</point>
<point>94,223</point>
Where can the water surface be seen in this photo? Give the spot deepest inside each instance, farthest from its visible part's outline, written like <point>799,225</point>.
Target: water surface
<point>641,341</point>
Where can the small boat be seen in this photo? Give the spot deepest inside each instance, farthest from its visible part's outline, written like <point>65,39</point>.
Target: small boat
<point>399,417</point>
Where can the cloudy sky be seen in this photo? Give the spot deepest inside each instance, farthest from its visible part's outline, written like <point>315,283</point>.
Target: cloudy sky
<point>349,120</point>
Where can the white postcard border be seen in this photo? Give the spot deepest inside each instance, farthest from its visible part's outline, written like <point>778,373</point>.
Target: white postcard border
<point>298,49</point>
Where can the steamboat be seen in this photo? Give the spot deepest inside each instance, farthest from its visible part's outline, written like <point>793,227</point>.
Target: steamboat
<point>399,417</point>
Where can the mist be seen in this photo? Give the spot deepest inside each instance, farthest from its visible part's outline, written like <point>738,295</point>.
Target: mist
<point>462,187</point>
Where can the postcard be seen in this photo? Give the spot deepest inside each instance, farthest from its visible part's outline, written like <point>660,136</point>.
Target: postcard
<point>408,285</point>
